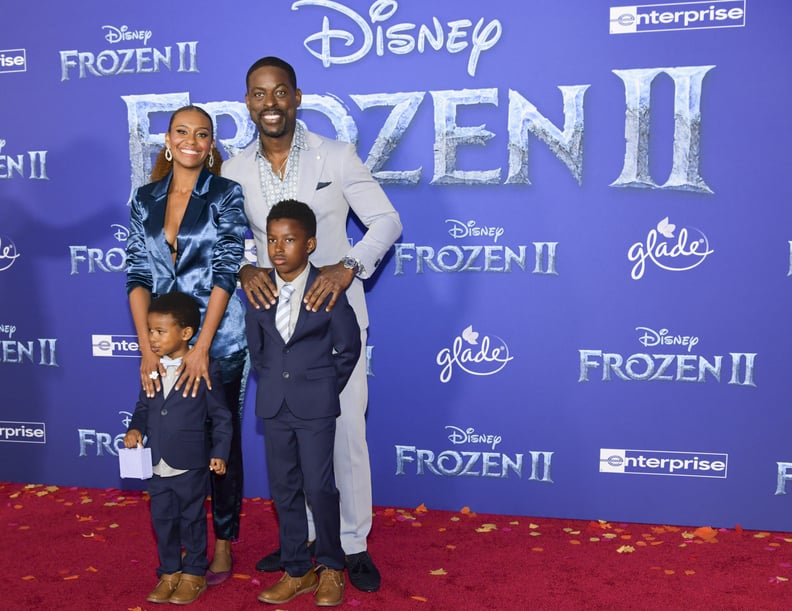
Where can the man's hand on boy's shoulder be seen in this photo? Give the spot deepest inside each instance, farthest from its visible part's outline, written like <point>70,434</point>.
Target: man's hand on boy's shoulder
<point>258,286</point>
<point>332,280</point>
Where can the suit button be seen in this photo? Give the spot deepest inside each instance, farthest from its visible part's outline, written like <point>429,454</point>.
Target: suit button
<point>164,412</point>
<point>285,375</point>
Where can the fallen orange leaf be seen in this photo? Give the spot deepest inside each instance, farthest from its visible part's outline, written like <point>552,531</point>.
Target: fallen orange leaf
<point>706,532</point>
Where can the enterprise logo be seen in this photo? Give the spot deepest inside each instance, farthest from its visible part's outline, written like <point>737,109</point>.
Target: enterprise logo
<point>662,462</point>
<point>13,60</point>
<point>23,432</point>
<point>115,345</point>
<point>677,16</point>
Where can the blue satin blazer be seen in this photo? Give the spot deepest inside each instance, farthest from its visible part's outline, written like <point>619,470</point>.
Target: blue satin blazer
<point>211,243</point>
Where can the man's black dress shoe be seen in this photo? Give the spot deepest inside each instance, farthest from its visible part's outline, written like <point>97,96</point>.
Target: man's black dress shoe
<point>271,563</point>
<point>362,572</point>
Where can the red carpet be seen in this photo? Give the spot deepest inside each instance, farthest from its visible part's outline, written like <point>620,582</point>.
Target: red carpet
<point>77,548</point>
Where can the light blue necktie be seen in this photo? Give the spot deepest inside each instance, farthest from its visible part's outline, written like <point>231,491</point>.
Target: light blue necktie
<point>283,313</point>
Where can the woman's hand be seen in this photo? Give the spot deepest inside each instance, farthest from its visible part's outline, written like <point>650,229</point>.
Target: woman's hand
<point>194,367</point>
<point>149,366</point>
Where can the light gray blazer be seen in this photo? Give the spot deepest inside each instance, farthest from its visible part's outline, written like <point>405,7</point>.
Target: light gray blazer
<point>332,180</point>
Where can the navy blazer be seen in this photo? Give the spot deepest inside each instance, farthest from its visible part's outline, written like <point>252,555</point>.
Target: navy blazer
<point>176,426</point>
<point>210,242</point>
<point>310,370</point>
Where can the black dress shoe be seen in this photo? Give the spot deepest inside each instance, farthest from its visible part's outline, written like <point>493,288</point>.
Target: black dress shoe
<point>362,572</point>
<point>271,563</point>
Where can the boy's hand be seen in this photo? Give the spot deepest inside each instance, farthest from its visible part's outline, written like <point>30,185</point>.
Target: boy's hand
<point>133,438</point>
<point>218,465</point>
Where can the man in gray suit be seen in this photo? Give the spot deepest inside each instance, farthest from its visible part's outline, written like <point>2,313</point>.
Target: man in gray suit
<point>289,162</point>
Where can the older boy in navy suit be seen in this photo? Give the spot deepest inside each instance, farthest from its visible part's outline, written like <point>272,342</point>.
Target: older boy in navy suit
<point>176,427</point>
<point>303,360</point>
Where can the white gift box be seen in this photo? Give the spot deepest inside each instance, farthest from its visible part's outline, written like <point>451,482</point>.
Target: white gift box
<point>135,463</point>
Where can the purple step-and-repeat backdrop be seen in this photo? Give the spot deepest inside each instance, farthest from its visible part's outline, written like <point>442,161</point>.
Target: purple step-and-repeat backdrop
<point>587,314</point>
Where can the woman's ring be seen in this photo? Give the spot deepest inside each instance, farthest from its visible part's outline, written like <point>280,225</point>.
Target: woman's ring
<point>154,375</point>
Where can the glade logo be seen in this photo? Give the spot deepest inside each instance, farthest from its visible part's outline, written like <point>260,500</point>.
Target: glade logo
<point>459,436</point>
<point>679,256</point>
<point>13,60</point>
<point>23,432</point>
<point>468,229</point>
<point>479,359</point>
<point>398,38</point>
<point>650,338</point>
<point>677,16</point>
<point>664,462</point>
<point>115,35</point>
<point>8,253</point>
<point>115,345</point>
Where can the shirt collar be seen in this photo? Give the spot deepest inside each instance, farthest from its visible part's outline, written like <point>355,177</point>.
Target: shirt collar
<point>298,140</point>
<point>298,283</point>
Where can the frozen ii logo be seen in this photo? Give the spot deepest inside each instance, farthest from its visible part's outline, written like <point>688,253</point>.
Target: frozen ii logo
<point>669,249</point>
<point>361,36</point>
<point>473,354</point>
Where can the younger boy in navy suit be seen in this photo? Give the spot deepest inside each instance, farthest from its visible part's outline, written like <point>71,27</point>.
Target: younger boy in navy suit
<point>176,428</point>
<point>303,360</point>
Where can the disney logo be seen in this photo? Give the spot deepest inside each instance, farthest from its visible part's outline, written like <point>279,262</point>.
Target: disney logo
<point>398,38</point>
<point>484,361</point>
<point>8,330</point>
<point>469,435</point>
<point>460,229</point>
<point>120,233</point>
<point>650,338</point>
<point>114,34</point>
<point>126,418</point>
<point>656,251</point>
<point>8,253</point>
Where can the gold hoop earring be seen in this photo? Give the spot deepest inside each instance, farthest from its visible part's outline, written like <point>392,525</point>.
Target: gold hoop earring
<point>168,155</point>
<point>210,160</point>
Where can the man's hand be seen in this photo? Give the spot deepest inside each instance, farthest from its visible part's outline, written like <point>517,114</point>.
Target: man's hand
<point>258,286</point>
<point>333,280</point>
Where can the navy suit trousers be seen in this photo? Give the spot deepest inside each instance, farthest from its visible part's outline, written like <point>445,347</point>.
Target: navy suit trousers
<point>300,469</point>
<point>178,514</point>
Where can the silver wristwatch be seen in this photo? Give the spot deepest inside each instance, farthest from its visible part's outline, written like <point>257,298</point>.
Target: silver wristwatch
<point>353,264</point>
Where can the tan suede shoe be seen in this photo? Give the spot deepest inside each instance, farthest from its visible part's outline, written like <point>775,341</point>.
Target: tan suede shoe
<point>330,592</point>
<point>190,587</point>
<point>289,587</point>
<point>165,588</point>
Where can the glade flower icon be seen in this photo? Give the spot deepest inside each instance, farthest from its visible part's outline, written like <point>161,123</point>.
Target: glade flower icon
<point>665,228</point>
<point>470,336</point>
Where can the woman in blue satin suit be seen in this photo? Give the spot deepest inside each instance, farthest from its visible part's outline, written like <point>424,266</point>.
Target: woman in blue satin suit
<point>186,234</point>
